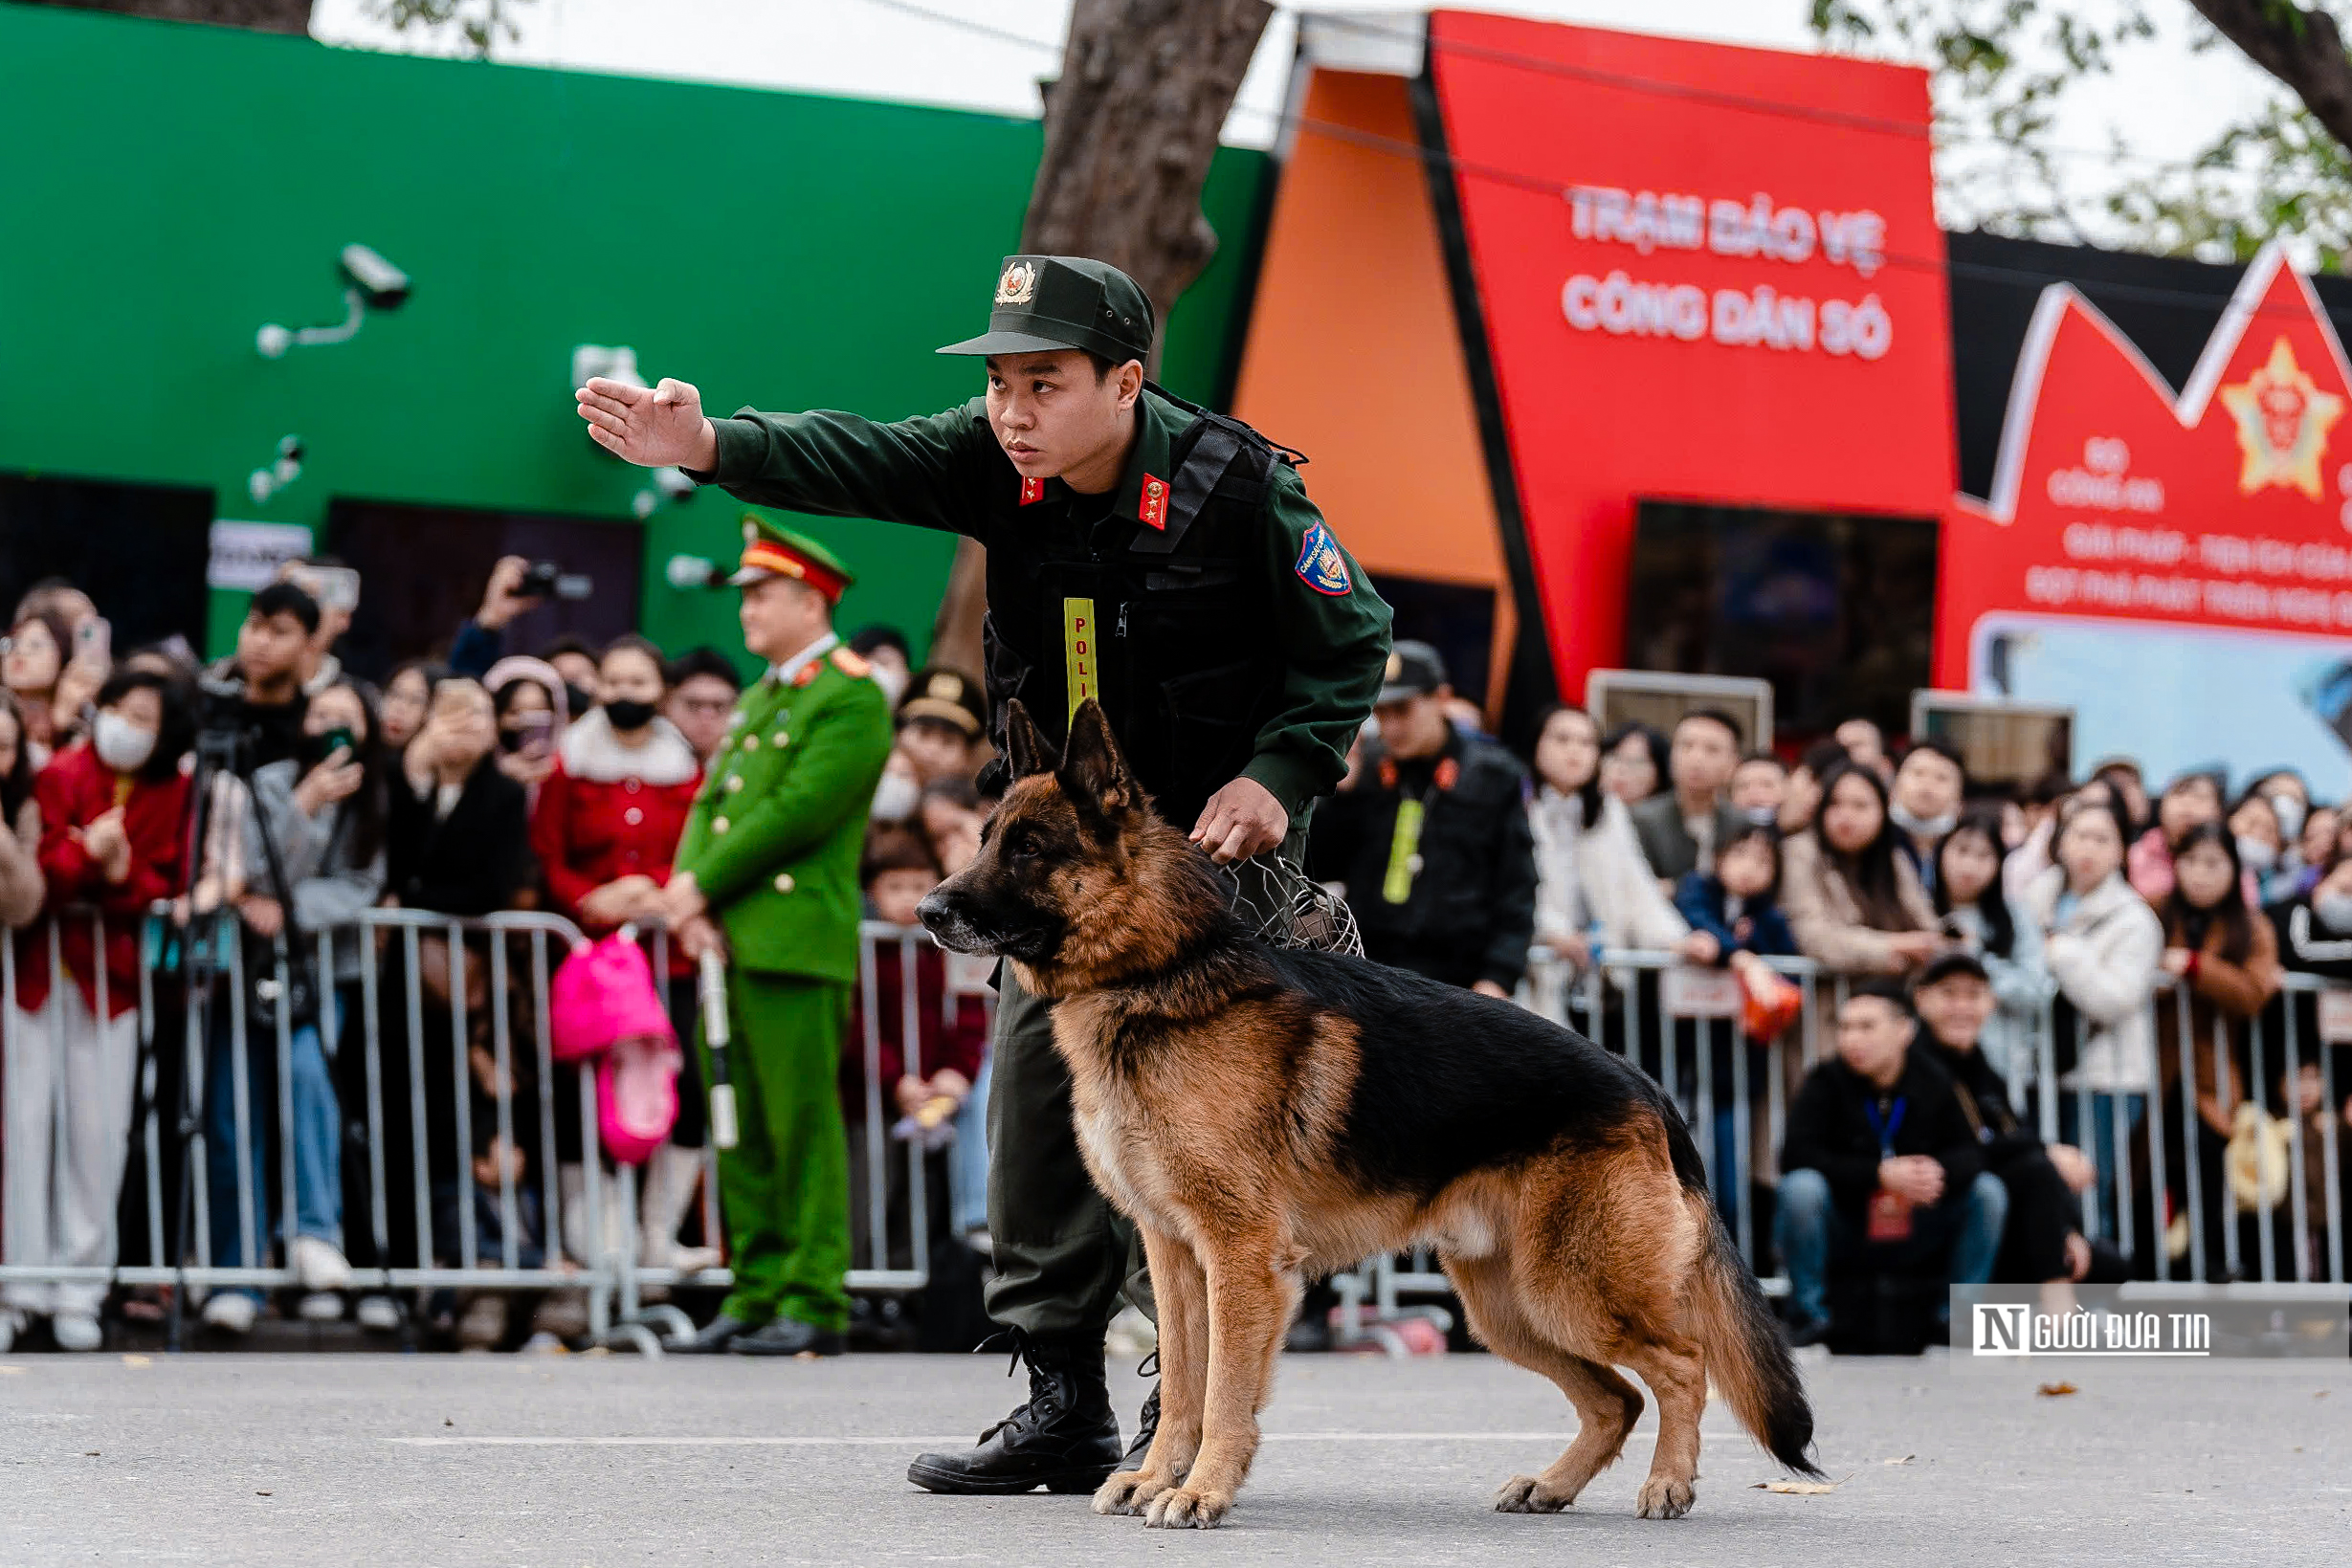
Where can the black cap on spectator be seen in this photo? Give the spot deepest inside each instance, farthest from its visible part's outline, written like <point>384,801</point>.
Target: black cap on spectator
<point>947,697</point>
<point>1944,965</point>
<point>1415,669</point>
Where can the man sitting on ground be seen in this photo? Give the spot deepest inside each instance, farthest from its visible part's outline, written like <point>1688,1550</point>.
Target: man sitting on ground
<point>1882,1169</point>
<point>2043,1242</point>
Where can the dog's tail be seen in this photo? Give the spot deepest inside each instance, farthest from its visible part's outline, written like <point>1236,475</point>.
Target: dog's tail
<point>1746,1355</point>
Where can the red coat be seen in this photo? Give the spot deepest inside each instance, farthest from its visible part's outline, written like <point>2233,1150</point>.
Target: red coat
<point>75,790</point>
<point>606,812</point>
<point>948,1038</point>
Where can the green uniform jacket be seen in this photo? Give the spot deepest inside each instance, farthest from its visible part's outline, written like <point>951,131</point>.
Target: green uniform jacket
<point>774,837</point>
<point>938,471</point>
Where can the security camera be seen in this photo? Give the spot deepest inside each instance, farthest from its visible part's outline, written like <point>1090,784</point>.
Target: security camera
<point>383,285</point>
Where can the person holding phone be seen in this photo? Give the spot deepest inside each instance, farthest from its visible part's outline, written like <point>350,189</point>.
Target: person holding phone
<point>324,808</point>
<point>533,710</point>
<point>336,588</point>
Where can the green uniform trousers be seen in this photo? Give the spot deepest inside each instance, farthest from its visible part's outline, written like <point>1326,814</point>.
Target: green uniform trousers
<point>786,1186</point>
<point>1062,1253</point>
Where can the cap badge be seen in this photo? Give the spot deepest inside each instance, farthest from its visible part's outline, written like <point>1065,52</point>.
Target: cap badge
<point>1396,667</point>
<point>1019,284</point>
<point>1321,566</point>
<point>751,532</point>
<point>1151,506</point>
<point>945,687</point>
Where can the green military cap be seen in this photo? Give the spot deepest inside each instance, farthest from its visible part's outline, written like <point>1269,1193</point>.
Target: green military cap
<point>772,550</point>
<point>1045,302</point>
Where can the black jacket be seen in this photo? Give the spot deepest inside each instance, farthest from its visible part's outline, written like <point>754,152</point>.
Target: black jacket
<point>1830,1130</point>
<point>472,862</point>
<point>1471,909</point>
<point>1984,1100</point>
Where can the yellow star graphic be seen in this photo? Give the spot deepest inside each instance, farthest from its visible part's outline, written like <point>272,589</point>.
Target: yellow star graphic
<point>2282,421</point>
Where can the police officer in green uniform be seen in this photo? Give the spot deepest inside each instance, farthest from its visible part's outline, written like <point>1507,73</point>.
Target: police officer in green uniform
<point>768,865</point>
<point>1143,552</point>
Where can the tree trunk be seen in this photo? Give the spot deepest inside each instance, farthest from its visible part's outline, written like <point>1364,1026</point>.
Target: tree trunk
<point>260,15</point>
<point>1130,127</point>
<point>2300,47</point>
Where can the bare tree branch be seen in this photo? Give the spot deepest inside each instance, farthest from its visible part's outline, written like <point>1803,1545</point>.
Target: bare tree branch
<point>2300,47</point>
<point>1130,127</point>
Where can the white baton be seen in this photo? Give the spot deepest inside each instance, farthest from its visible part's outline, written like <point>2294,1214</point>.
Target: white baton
<point>714,991</point>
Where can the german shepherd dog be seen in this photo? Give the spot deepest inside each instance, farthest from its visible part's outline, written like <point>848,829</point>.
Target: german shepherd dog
<point>1267,1116</point>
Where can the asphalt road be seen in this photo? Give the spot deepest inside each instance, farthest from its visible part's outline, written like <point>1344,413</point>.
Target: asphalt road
<point>601,1460</point>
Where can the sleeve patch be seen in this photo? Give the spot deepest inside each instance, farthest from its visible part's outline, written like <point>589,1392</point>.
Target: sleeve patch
<point>1321,566</point>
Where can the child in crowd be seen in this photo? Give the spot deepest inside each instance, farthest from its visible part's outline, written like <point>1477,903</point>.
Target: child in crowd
<point>922,1088</point>
<point>1737,905</point>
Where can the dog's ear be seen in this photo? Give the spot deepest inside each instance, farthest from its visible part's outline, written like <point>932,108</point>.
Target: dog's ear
<point>1024,745</point>
<point>1093,771</point>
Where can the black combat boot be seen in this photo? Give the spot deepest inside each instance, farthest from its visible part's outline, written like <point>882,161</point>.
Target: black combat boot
<point>1064,1439</point>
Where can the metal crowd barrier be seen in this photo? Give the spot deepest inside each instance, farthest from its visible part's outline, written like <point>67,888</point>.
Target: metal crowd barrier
<point>1683,1024</point>
<point>403,1067</point>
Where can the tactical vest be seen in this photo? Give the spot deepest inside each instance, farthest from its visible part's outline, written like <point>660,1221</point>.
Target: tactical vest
<point>1174,628</point>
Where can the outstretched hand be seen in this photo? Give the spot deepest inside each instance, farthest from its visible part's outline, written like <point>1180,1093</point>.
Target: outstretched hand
<point>657,427</point>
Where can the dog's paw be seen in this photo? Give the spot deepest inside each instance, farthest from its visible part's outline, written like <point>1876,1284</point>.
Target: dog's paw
<point>1663,1499</point>
<point>1128,1492</point>
<point>1526,1495</point>
<point>1186,1508</point>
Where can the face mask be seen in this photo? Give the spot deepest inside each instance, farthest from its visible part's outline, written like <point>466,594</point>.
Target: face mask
<point>892,684</point>
<point>2290,814</point>
<point>1922,826</point>
<point>121,745</point>
<point>629,714</point>
<point>578,700</point>
<point>2333,909</point>
<point>1763,816</point>
<point>2255,855</point>
<point>513,740</point>
<point>896,798</point>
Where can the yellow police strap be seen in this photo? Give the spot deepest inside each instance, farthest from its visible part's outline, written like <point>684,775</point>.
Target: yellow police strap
<point>1078,638</point>
<point>1404,852</point>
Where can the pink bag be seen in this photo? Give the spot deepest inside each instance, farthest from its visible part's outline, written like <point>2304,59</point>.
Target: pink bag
<point>601,993</point>
<point>637,1096</point>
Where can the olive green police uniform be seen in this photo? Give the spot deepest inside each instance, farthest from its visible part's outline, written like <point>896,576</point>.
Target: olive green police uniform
<point>773,843</point>
<point>1203,600</point>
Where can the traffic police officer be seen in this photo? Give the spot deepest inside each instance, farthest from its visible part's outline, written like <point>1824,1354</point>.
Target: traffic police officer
<point>1432,837</point>
<point>1161,558</point>
<point>770,859</point>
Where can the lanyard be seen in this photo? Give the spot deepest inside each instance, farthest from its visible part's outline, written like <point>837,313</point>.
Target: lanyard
<point>1887,1126</point>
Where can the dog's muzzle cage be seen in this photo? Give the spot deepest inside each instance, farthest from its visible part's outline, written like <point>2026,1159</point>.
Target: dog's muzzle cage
<point>1288,909</point>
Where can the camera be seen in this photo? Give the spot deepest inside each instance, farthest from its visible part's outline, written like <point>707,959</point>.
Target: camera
<point>383,285</point>
<point>547,579</point>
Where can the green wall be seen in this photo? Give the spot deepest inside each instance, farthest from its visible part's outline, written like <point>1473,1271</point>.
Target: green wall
<point>164,190</point>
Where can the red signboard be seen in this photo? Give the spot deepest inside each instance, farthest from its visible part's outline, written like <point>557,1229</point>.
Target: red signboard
<point>1706,272</point>
<point>2116,500</point>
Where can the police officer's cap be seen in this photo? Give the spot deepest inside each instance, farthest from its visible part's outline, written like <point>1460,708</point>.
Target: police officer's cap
<point>1415,669</point>
<point>1045,302</point>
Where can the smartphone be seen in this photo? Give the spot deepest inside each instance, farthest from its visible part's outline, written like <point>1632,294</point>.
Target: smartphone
<point>340,739</point>
<point>336,588</point>
<point>94,642</point>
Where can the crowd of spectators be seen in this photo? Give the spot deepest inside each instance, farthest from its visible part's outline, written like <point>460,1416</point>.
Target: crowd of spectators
<point>1977,950</point>
<point>491,780</point>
